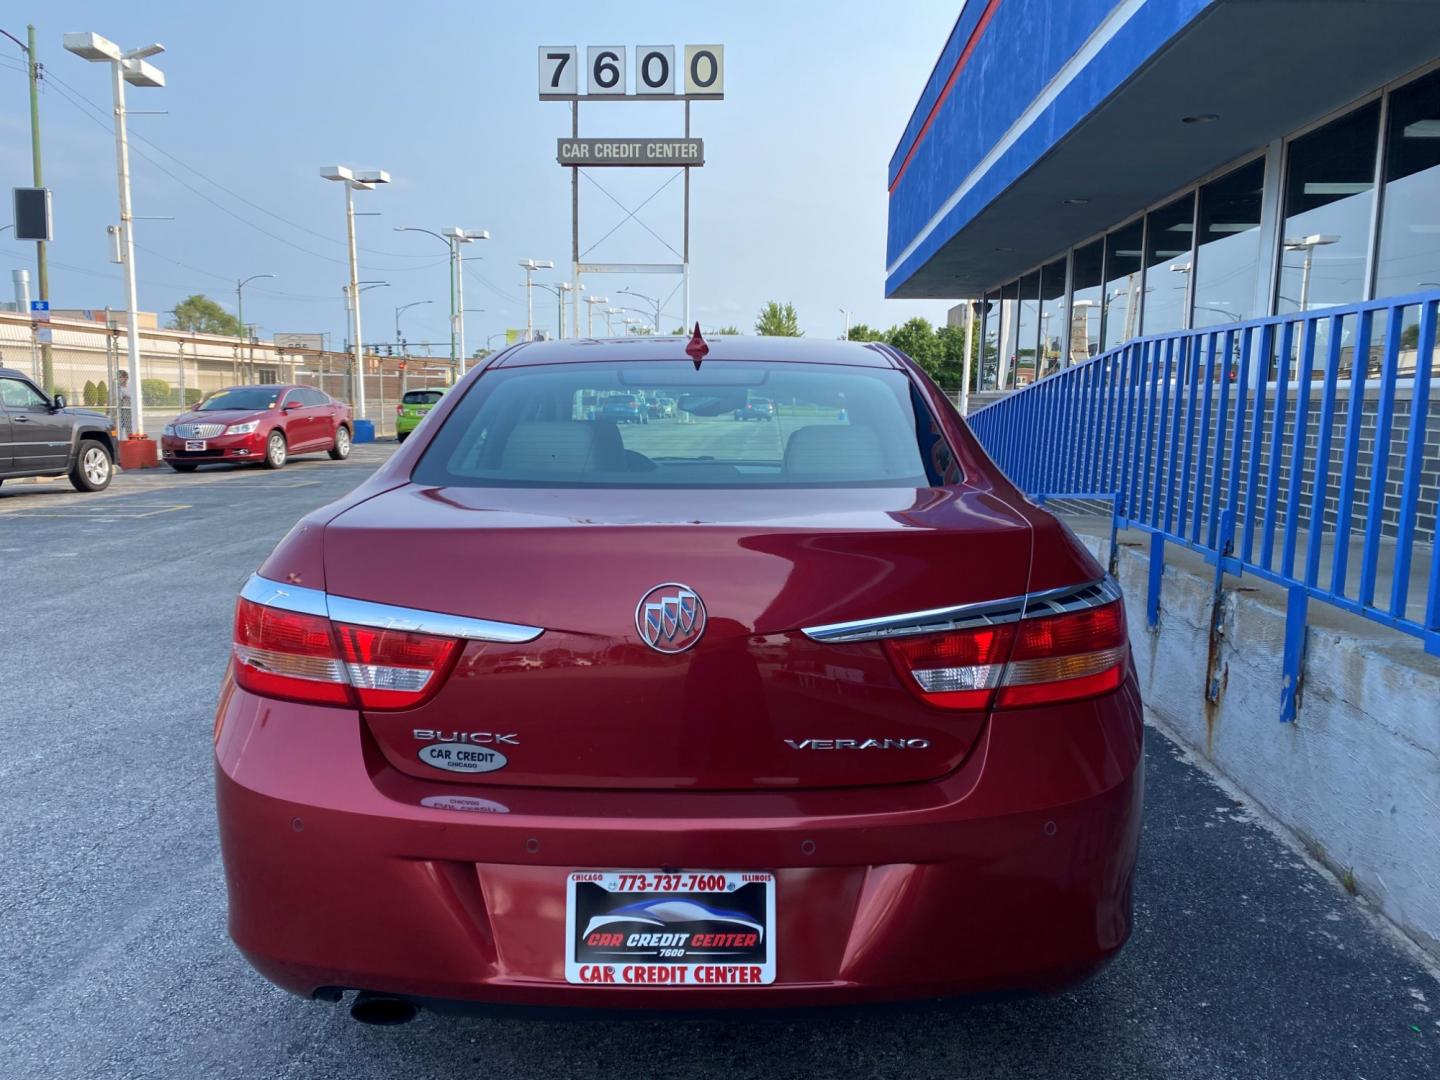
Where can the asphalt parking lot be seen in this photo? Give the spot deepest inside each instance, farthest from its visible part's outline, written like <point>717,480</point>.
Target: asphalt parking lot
<point>1246,961</point>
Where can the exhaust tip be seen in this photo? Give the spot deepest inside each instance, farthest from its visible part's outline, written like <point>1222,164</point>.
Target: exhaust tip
<point>382,1010</point>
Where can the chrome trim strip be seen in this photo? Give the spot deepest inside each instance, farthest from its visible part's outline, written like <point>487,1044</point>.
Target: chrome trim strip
<point>986,613</point>
<point>261,590</point>
<point>366,613</point>
<point>968,616</point>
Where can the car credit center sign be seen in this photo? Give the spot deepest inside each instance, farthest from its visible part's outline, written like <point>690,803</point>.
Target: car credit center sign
<point>630,151</point>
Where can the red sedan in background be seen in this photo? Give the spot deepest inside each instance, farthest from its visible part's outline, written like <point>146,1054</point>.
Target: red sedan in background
<point>555,711</point>
<point>266,425</point>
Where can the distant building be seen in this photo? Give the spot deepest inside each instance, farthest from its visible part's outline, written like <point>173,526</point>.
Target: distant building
<point>1091,171</point>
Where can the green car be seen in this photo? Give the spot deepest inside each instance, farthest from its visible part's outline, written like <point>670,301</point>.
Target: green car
<point>414,404</point>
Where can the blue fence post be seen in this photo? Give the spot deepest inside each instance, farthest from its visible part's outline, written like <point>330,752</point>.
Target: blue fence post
<point>1354,420</point>
<point>1414,461</point>
<point>1277,444</point>
<point>1157,575</point>
<point>1296,612</point>
<point>1380,455</point>
<point>1257,440</point>
<point>1304,373</point>
<point>1320,482</point>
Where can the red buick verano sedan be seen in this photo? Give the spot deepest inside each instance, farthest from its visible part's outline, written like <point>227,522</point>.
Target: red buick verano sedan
<point>267,425</point>
<point>698,713</point>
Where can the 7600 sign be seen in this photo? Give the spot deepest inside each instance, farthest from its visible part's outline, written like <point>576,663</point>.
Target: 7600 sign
<point>702,70</point>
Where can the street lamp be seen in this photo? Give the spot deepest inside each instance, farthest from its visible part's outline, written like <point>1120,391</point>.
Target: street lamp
<point>240,299</point>
<point>530,266</point>
<point>649,299</point>
<point>452,238</point>
<point>590,302</point>
<point>399,341</point>
<point>846,313</point>
<point>125,67</point>
<point>559,290</point>
<point>353,181</point>
<point>1308,244</point>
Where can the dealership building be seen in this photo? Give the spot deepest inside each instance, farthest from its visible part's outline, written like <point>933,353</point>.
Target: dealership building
<point>1088,172</point>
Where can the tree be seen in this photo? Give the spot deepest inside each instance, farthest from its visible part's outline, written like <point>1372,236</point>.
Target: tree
<point>916,339</point>
<point>778,320</point>
<point>88,393</point>
<point>201,315</point>
<point>861,332</point>
<point>707,331</point>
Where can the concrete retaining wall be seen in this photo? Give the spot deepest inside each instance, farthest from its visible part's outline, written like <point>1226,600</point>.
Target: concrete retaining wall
<point>1356,777</point>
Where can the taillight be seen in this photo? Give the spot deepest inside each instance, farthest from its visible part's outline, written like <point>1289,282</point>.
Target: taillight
<point>285,654</point>
<point>301,657</point>
<point>955,670</point>
<point>1066,657</point>
<point>394,669</point>
<point>1036,661</point>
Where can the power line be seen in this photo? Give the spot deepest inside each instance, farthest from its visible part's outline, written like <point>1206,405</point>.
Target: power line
<point>65,92</point>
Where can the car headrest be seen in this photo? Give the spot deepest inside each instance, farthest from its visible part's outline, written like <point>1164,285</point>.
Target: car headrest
<point>834,450</point>
<point>559,446</point>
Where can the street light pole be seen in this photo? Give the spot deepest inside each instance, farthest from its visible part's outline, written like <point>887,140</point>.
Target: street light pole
<point>530,266</point>
<point>353,181</point>
<point>846,313</point>
<point>124,67</point>
<point>240,309</point>
<point>650,299</point>
<point>590,302</point>
<point>1308,244</point>
<point>399,341</point>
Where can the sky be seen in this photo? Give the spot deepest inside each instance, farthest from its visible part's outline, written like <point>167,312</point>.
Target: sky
<point>789,206</point>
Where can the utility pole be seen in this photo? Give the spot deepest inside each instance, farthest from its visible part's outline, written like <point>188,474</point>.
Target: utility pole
<point>42,264</point>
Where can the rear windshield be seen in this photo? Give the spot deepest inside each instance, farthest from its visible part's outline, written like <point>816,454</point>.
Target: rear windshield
<point>421,397</point>
<point>248,398</point>
<point>555,426</point>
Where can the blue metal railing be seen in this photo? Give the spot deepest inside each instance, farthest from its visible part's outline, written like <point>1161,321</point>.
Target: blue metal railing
<point>1290,448</point>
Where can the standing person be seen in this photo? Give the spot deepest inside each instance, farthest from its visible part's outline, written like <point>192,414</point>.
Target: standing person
<point>123,399</point>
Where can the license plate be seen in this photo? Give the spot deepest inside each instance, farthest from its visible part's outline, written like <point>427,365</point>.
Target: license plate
<point>194,444</point>
<point>659,929</point>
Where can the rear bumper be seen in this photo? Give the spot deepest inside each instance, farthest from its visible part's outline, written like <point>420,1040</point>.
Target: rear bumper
<point>1013,873</point>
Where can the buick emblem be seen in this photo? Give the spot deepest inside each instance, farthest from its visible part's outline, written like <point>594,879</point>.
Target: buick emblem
<point>670,617</point>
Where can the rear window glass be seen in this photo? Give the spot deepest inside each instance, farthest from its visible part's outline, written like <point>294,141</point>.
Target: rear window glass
<point>664,424</point>
<point>421,397</point>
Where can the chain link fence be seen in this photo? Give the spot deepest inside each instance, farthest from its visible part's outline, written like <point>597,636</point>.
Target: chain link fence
<point>178,368</point>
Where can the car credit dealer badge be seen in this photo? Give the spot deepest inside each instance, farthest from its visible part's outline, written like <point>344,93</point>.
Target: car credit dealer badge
<point>670,617</point>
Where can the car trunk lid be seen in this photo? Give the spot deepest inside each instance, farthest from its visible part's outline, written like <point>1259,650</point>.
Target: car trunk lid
<point>754,703</point>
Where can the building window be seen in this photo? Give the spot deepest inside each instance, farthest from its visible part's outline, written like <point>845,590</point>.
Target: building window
<point>1122,284</point>
<point>1227,250</point>
<point>1168,264</point>
<point>1086,292</point>
<point>1409,256</point>
<point>1052,318</point>
<point>1027,340</point>
<point>1329,182</point>
<point>990,349</point>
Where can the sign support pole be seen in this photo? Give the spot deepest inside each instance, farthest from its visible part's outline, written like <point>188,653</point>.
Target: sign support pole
<point>685,259</point>
<point>574,223</point>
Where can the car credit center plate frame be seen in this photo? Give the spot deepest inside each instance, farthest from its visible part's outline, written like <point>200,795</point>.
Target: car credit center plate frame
<point>670,929</point>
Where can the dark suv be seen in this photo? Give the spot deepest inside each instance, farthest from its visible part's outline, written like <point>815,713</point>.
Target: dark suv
<point>39,436</point>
